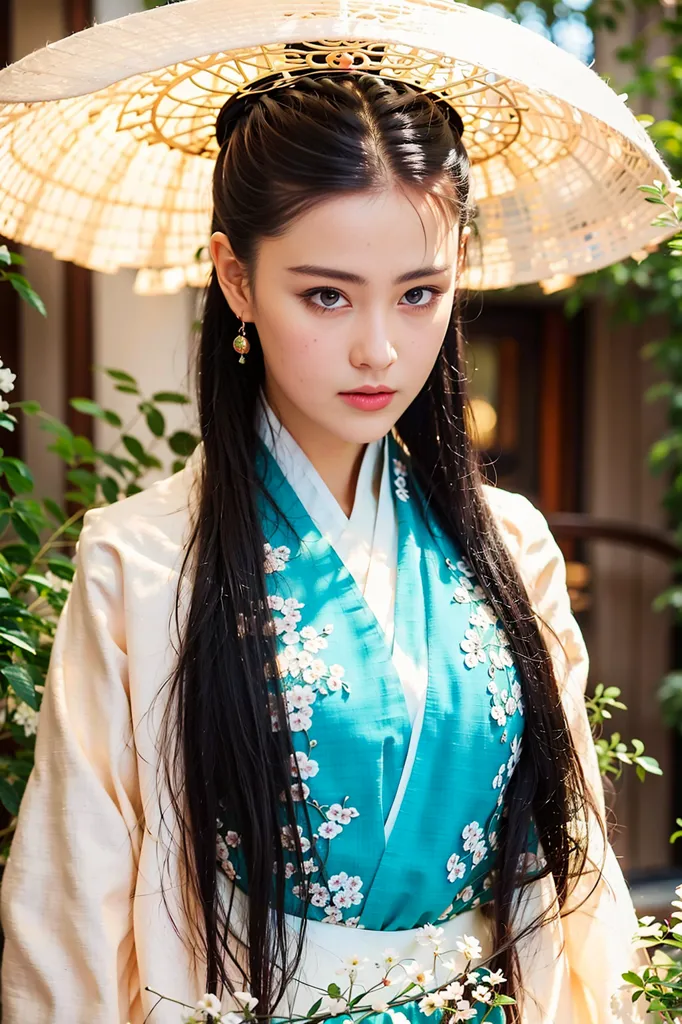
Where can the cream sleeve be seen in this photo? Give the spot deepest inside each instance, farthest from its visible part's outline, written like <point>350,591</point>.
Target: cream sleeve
<point>599,934</point>
<point>66,899</point>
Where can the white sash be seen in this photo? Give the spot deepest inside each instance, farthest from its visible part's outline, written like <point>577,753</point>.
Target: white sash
<point>553,993</point>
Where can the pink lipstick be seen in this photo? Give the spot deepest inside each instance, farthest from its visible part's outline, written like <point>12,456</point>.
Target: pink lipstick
<point>368,398</point>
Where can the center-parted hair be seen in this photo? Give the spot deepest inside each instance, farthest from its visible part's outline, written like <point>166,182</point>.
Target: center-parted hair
<point>281,153</point>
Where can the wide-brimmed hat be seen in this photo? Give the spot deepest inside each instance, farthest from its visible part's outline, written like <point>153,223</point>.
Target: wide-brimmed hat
<point>107,137</point>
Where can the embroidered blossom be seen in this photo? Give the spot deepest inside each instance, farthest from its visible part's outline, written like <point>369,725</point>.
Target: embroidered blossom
<point>275,558</point>
<point>456,868</point>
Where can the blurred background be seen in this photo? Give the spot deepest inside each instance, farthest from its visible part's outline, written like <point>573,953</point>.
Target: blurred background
<point>561,379</point>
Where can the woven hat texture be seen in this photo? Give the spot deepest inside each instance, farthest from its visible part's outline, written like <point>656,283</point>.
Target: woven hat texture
<point>107,137</point>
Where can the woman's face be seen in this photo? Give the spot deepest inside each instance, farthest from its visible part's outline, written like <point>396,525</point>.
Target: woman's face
<point>351,305</point>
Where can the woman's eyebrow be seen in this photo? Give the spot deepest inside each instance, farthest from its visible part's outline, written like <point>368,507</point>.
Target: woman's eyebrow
<point>346,275</point>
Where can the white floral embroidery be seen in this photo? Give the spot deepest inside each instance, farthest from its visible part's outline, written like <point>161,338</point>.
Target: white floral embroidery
<point>303,765</point>
<point>400,480</point>
<point>456,868</point>
<point>275,558</point>
<point>305,677</point>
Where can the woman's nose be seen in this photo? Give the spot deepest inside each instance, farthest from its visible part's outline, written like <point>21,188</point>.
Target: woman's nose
<point>373,349</point>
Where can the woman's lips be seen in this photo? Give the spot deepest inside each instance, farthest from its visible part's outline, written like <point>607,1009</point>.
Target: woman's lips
<point>367,399</point>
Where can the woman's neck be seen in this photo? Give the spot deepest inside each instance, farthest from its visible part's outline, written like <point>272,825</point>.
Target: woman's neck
<point>337,461</point>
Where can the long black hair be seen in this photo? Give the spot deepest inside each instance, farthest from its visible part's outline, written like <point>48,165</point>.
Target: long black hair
<point>280,154</point>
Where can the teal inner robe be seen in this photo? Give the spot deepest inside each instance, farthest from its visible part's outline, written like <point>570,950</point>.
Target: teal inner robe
<point>351,730</point>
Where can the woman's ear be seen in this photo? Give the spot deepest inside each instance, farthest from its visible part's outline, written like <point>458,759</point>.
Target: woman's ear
<point>231,276</point>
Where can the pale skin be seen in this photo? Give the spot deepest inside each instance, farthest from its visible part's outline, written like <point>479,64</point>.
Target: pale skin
<point>379,330</point>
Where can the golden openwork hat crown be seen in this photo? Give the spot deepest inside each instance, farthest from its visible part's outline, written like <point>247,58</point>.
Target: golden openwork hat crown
<point>107,138</point>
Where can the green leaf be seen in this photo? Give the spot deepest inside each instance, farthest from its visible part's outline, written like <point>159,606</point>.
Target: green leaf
<point>9,796</point>
<point>30,408</point>
<point>314,1008</point>
<point>170,396</point>
<point>120,375</point>
<point>21,682</point>
<point>17,638</point>
<point>134,447</point>
<point>17,473</point>
<point>110,489</point>
<point>127,389</point>
<point>333,990</point>
<point>17,554</point>
<point>113,418</point>
<point>5,257</point>
<point>25,530</point>
<point>182,443</point>
<point>61,566</point>
<point>87,406</point>
<point>54,510</point>
<point>650,765</point>
<point>156,422</point>
<point>633,979</point>
<point>24,290</point>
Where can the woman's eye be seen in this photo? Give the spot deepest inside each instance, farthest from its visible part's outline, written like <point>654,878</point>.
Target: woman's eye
<point>328,298</point>
<point>419,293</point>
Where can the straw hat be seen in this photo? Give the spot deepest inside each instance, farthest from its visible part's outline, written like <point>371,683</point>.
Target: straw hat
<point>107,137</point>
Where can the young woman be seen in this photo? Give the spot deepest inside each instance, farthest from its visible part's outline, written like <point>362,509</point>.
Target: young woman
<point>323,687</point>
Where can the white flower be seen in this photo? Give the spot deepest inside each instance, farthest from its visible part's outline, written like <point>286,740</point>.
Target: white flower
<point>310,867</point>
<point>479,853</point>
<point>319,895</point>
<point>379,1007</point>
<point>300,791</point>
<point>337,670</point>
<point>342,814</point>
<point>464,1011</point>
<point>429,1004</point>
<point>289,869</point>
<point>353,884</point>
<point>515,756</point>
<point>453,991</point>
<point>300,721</point>
<point>495,978</point>
<point>25,716</point>
<point>246,1000</point>
<point>418,974</point>
<point>343,899</point>
<point>469,946</point>
<point>334,915</point>
<point>471,834</point>
<point>232,839</point>
<point>275,558</point>
<point>390,957</point>
<point>334,684</point>
<point>481,994</point>
<point>7,379</point>
<point>498,781</point>
<point>334,1006</point>
<point>329,830</point>
<point>275,602</point>
<point>315,671</point>
<point>466,894</point>
<point>498,715</point>
<point>456,868</point>
<point>307,767</point>
<point>301,697</point>
<point>208,1004</point>
<point>429,934</point>
<point>472,645</point>
<point>338,881</point>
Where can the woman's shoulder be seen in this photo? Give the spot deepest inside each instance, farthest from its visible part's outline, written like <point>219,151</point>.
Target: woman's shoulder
<point>522,525</point>
<point>151,525</point>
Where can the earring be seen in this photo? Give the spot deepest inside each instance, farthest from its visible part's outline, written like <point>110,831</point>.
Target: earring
<point>241,343</point>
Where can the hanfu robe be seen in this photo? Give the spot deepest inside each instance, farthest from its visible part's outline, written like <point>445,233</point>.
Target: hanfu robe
<point>407,717</point>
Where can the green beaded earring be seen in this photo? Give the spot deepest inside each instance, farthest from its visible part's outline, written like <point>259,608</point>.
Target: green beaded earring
<point>241,343</point>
